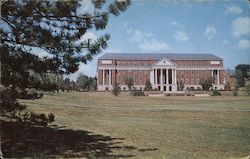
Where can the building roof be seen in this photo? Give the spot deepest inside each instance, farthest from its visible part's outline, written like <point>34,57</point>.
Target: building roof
<point>158,56</point>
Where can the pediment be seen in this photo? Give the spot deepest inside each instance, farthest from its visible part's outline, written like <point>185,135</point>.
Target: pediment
<point>164,62</point>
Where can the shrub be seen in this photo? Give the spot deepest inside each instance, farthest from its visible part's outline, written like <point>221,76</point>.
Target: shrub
<point>137,93</point>
<point>129,81</point>
<point>116,89</point>
<point>235,93</point>
<point>148,86</point>
<point>216,93</point>
<point>228,87</point>
<point>206,83</point>
<point>248,89</point>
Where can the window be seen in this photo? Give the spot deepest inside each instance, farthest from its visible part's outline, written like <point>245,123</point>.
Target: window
<point>197,80</point>
<point>192,80</point>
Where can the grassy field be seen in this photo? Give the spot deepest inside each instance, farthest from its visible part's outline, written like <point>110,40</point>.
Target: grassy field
<point>153,127</point>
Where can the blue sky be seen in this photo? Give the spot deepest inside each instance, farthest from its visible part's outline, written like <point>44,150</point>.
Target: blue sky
<point>202,26</point>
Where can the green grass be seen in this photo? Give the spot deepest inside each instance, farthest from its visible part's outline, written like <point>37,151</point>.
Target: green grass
<point>157,127</point>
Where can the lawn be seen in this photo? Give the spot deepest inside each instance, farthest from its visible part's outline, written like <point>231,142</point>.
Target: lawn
<point>148,127</point>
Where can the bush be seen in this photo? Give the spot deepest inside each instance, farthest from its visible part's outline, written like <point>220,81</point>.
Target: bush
<point>116,89</point>
<point>129,81</point>
<point>137,93</point>
<point>216,93</point>
<point>30,94</point>
<point>248,89</point>
<point>148,86</point>
<point>235,93</point>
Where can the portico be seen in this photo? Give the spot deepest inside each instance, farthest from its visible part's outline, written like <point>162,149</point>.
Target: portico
<point>163,75</point>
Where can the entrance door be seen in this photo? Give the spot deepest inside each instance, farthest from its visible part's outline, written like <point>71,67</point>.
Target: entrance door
<point>164,88</point>
<point>170,88</point>
<point>159,88</point>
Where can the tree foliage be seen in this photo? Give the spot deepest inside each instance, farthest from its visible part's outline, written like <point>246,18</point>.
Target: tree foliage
<point>116,89</point>
<point>129,81</point>
<point>240,81</point>
<point>148,86</point>
<point>206,83</point>
<point>245,69</point>
<point>180,86</point>
<point>55,27</point>
<point>248,89</point>
<point>85,83</point>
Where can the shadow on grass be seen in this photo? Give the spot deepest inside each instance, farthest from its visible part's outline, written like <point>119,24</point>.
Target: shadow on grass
<point>21,140</point>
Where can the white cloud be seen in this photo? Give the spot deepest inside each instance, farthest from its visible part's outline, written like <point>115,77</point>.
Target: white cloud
<point>210,32</point>
<point>241,26</point>
<point>244,44</point>
<point>138,36</point>
<point>154,45</point>
<point>177,24</point>
<point>233,10</point>
<point>181,36</point>
<point>146,41</point>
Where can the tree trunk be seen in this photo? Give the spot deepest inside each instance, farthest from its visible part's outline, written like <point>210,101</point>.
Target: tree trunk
<point>1,153</point>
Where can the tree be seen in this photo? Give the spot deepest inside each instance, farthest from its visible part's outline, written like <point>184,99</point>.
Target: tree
<point>54,27</point>
<point>129,81</point>
<point>228,86</point>
<point>86,83</point>
<point>148,86</point>
<point>180,86</point>
<point>245,69</point>
<point>116,89</point>
<point>206,83</point>
<point>240,82</point>
<point>83,82</point>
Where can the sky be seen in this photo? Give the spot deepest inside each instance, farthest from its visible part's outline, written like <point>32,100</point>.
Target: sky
<point>182,26</point>
<point>219,27</point>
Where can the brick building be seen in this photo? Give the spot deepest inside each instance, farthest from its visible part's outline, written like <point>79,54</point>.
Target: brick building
<point>163,70</point>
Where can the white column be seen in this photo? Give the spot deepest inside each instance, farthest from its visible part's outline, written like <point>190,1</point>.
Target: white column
<point>155,76</point>
<point>175,76</point>
<point>109,76</point>
<point>167,76</point>
<point>152,76</point>
<point>212,73</point>
<point>218,77</point>
<point>161,77</point>
<point>103,76</point>
<point>156,70</point>
<point>172,76</point>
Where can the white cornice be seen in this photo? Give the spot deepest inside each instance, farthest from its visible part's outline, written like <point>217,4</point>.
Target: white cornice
<point>158,67</point>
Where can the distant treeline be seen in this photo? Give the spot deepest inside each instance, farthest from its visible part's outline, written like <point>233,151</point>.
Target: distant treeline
<point>56,82</point>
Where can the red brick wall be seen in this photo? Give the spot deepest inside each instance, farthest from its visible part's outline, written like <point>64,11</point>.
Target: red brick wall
<point>140,76</point>
<point>113,76</point>
<point>192,76</point>
<point>100,76</point>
